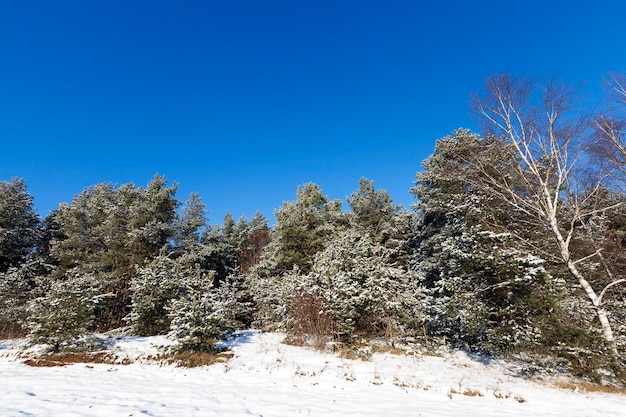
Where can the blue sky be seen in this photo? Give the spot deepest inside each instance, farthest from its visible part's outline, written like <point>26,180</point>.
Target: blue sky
<point>243,100</point>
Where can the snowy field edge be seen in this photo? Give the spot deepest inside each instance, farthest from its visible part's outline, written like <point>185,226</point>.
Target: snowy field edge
<point>268,378</point>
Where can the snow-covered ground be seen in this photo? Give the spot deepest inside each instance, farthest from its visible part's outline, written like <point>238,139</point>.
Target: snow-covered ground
<point>268,378</point>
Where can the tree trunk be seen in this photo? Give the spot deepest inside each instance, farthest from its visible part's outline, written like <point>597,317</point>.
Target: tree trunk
<point>601,313</point>
<point>607,331</point>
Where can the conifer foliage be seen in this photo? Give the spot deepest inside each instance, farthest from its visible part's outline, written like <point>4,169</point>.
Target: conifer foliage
<point>18,223</point>
<point>485,293</point>
<point>20,231</point>
<point>515,244</point>
<point>357,272</point>
<point>106,233</point>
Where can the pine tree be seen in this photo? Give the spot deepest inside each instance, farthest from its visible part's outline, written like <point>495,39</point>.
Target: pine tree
<point>18,287</point>
<point>188,230</point>
<point>372,209</point>
<point>19,223</point>
<point>153,289</point>
<point>249,238</point>
<point>485,293</point>
<point>106,233</point>
<point>364,291</point>
<point>64,315</point>
<point>20,265</point>
<point>359,283</point>
<point>202,314</point>
<point>303,228</point>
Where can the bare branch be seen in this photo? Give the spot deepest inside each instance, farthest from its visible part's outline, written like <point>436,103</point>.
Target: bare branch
<point>604,291</point>
<point>596,253</point>
<point>549,143</point>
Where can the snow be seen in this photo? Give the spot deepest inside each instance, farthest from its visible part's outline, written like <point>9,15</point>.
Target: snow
<point>268,378</point>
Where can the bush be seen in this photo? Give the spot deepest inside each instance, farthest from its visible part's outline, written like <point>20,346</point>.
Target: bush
<point>310,317</point>
<point>64,316</point>
<point>204,314</point>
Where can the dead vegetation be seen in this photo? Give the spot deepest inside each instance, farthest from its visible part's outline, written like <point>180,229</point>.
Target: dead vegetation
<point>311,320</point>
<point>11,331</point>
<point>588,387</point>
<point>468,392</point>
<point>44,363</point>
<point>194,359</point>
<point>182,359</point>
<point>67,358</point>
<point>410,384</point>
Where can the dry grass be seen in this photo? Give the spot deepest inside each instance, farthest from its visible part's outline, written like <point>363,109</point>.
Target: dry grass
<point>294,341</point>
<point>470,392</point>
<point>377,381</point>
<point>349,354</point>
<point>349,376</point>
<point>501,395</point>
<point>353,354</point>
<point>182,359</point>
<point>11,331</point>
<point>68,358</point>
<point>410,384</point>
<point>590,387</point>
<point>386,348</point>
<point>194,359</point>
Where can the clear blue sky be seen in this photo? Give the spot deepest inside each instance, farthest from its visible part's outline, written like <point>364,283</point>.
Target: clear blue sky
<point>243,100</point>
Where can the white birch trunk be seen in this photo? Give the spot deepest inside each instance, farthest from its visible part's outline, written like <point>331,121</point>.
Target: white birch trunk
<point>509,109</point>
<point>596,300</point>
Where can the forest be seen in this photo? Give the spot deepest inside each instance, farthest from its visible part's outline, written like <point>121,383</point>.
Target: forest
<point>515,246</point>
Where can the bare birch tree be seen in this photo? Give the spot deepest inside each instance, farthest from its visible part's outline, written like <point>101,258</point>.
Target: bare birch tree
<point>610,129</point>
<point>550,148</point>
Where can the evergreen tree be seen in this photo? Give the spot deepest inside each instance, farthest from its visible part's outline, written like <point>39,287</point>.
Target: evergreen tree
<point>202,314</point>
<point>153,289</point>
<point>359,280</point>
<point>188,230</point>
<point>63,316</point>
<point>372,209</point>
<point>20,265</point>
<point>18,287</point>
<point>19,223</point>
<point>303,228</point>
<point>106,233</point>
<point>219,254</point>
<point>364,291</point>
<point>211,248</point>
<point>248,237</point>
<point>485,293</point>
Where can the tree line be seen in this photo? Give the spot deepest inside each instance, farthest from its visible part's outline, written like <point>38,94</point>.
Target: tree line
<point>515,245</point>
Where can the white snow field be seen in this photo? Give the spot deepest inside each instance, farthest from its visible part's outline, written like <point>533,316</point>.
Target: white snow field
<point>268,378</point>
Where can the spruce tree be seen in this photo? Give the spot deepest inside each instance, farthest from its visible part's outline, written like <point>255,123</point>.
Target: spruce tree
<point>65,314</point>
